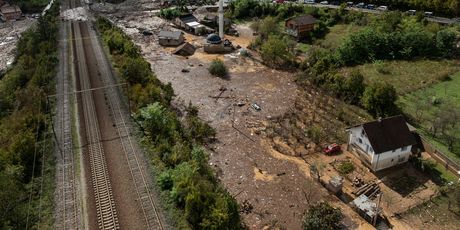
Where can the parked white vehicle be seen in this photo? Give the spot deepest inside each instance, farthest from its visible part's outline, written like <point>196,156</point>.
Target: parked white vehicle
<point>382,8</point>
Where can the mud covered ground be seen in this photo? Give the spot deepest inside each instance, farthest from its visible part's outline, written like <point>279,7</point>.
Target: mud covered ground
<point>10,32</point>
<point>262,157</point>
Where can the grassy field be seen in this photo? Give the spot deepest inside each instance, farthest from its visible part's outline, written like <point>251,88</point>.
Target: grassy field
<point>336,35</point>
<point>407,76</point>
<point>443,91</point>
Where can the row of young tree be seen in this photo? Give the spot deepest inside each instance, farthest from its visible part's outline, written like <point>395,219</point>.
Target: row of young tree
<point>183,174</point>
<point>393,36</point>
<point>26,150</point>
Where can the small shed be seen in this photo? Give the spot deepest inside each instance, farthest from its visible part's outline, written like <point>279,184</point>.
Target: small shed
<point>300,26</point>
<point>185,49</point>
<point>365,207</point>
<point>170,38</point>
<point>9,13</point>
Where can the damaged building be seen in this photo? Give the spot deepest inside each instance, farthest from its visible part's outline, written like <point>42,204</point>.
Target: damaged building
<point>190,24</point>
<point>170,38</point>
<point>10,12</point>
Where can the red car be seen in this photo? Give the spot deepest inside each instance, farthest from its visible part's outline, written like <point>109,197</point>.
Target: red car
<point>332,148</point>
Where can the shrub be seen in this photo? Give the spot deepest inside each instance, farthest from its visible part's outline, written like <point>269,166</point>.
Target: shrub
<point>276,53</point>
<point>346,167</point>
<point>170,13</point>
<point>322,216</point>
<point>218,68</point>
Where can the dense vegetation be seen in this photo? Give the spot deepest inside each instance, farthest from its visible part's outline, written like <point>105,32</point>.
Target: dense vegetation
<point>26,150</point>
<point>322,216</point>
<point>183,173</point>
<point>30,6</point>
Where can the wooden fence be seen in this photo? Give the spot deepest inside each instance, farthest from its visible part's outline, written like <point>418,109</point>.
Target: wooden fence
<point>440,157</point>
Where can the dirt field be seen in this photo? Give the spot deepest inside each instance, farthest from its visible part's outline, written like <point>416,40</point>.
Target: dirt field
<point>263,157</point>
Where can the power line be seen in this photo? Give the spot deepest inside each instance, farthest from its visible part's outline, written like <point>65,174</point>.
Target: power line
<point>33,165</point>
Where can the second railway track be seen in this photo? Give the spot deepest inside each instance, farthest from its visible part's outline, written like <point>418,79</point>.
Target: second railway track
<point>107,217</point>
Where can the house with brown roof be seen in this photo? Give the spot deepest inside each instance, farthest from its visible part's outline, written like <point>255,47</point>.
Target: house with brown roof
<point>300,26</point>
<point>382,143</point>
<point>8,12</point>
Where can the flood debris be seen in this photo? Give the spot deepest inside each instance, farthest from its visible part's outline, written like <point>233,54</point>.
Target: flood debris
<point>185,49</point>
<point>170,38</point>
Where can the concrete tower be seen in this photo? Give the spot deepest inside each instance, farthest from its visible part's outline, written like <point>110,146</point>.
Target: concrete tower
<point>221,19</point>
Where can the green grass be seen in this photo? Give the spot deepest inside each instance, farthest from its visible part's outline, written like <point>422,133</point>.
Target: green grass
<point>407,76</point>
<point>336,35</point>
<point>303,48</point>
<point>446,90</point>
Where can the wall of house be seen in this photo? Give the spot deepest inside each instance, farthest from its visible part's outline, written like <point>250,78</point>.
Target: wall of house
<point>382,160</point>
<point>170,42</point>
<point>391,158</point>
<point>359,138</point>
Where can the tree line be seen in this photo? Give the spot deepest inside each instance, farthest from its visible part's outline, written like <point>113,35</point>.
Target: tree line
<point>441,7</point>
<point>183,174</point>
<point>26,150</point>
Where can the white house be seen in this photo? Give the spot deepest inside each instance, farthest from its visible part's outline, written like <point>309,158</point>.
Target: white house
<point>383,143</point>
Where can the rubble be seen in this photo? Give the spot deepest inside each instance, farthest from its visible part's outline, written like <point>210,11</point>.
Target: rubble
<point>10,32</point>
<point>75,14</point>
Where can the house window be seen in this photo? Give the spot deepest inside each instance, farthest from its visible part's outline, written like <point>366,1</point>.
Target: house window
<point>371,149</point>
<point>362,133</point>
<point>360,140</point>
<point>404,148</point>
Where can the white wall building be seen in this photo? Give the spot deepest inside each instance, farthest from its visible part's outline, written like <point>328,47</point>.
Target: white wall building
<point>383,143</point>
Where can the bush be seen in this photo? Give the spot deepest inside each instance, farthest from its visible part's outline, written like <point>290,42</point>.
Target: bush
<point>276,53</point>
<point>170,13</point>
<point>346,167</point>
<point>322,216</point>
<point>218,68</point>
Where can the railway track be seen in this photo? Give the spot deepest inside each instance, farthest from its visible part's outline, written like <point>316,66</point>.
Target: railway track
<point>107,217</point>
<point>68,215</point>
<point>133,157</point>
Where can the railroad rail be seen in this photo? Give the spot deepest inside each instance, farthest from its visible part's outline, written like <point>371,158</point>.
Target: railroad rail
<point>102,188</point>
<point>149,209</point>
<point>69,216</point>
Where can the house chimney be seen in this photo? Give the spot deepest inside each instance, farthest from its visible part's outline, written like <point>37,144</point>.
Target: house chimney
<point>221,19</point>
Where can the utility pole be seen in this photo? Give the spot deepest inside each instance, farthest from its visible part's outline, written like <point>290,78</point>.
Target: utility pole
<point>221,19</point>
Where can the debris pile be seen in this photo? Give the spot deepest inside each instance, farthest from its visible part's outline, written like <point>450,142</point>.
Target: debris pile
<point>75,14</point>
<point>10,32</point>
<point>371,190</point>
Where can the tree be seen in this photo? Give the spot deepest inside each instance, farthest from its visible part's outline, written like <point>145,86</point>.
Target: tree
<point>379,99</point>
<point>445,42</point>
<point>218,68</point>
<point>266,27</point>
<point>276,53</point>
<point>322,216</point>
<point>354,87</point>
